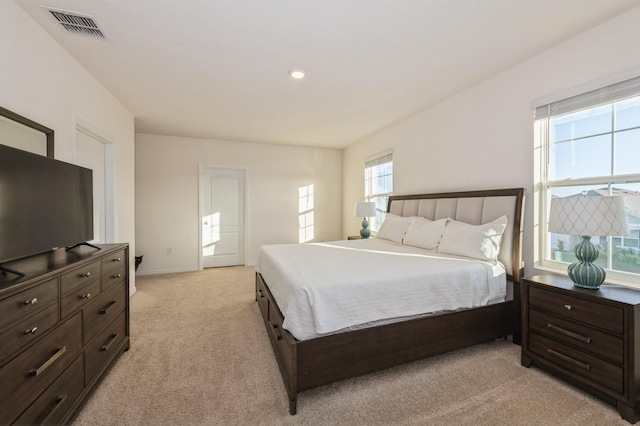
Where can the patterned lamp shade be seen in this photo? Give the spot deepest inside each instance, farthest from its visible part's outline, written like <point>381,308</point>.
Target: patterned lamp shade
<point>587,216</point>
<point>365,209</point>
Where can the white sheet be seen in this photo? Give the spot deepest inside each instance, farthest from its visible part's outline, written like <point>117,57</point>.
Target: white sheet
<point>323,288</point>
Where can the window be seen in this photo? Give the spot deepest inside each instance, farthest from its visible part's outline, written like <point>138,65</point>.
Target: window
<point>378,185</point>
<point>305,214</point>
<point>589,144</point>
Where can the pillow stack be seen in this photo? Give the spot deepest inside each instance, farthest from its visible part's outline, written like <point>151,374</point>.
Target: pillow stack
<point>446,235</point>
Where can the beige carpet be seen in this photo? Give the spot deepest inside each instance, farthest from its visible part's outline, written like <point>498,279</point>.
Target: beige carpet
<point>200,356</point>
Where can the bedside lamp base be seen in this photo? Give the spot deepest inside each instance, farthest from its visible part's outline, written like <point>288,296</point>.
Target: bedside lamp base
<point>586,274</point>
<point>364,232</point>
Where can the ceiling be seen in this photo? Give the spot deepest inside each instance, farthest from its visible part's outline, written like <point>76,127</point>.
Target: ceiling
<point>218,69</point>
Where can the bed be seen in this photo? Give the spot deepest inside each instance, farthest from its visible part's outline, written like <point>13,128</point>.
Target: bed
<point>347,342</point>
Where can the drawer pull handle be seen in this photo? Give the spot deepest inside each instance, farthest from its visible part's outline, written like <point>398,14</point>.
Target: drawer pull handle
<point>277,333</point>
<point>117,259</point>
<point>568,307</point>
<point>86,274</point>
<point>47,364</point>
<point>59,403</point>
<point>112,339</point>
<point>31,331</point>
<point>104,310</point>
<point>569,359</point>
<point>116,276</point>
<point>569,333</point>
<point>85,296</point>
<point>260,291</point>
<point>31,302</point>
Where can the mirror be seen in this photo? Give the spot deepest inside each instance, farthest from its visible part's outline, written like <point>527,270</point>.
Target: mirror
<point>20,132</point>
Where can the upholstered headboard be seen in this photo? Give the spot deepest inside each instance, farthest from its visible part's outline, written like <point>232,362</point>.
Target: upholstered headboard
<point>476,208</point>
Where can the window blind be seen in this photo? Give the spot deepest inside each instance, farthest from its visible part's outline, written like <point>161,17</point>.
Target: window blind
<point>603,95</point>
<point>375,161</point>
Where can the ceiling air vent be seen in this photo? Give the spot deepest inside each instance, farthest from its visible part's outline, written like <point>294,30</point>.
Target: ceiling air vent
<point>76,23</point>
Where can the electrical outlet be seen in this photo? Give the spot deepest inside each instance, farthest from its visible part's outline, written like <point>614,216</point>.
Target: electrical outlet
<point>169,250</point>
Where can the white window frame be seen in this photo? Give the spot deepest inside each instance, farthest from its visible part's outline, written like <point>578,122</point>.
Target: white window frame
<point>544,185</point>
<point>306,229</point>
<point>380,198</point>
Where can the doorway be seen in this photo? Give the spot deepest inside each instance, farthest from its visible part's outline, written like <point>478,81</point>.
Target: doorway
<point>222,216</point>
<point>95,153</point>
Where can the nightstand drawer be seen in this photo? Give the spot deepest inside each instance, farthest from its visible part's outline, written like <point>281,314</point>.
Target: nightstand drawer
<point>581,336</point>
<point>577,309</point>
<point>589,368</point>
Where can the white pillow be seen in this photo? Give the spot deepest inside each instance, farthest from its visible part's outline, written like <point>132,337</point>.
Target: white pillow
<point>474,241</point>
<point>393,228</point>
<point>424,233</point>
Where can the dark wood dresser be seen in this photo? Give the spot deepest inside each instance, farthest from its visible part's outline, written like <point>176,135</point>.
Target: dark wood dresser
<point>62,326</point>
<point>587,337</point>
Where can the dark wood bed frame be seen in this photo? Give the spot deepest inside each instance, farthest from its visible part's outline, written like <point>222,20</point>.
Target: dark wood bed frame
<point>311,363</point>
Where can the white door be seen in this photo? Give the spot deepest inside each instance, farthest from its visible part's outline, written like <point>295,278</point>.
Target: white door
<point>222,217</point>
<point>90,153</point>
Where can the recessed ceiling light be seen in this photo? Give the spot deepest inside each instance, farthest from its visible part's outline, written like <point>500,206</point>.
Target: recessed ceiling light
<point>296,73</point>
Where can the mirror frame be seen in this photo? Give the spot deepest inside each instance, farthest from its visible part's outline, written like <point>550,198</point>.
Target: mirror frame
<point>49,133</point>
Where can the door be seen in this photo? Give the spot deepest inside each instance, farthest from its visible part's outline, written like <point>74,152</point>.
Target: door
<point>91,153</point>
<point>222,217</point>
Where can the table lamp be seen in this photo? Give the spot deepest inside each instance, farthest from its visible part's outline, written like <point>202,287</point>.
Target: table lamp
<point>365,209</point>
<point>587,217</point>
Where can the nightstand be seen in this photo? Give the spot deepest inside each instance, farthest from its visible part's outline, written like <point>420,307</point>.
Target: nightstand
<point>585,337</point>
<point>354,237</point>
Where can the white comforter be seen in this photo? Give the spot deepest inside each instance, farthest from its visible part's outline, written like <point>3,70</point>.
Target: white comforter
<point>323,288</point>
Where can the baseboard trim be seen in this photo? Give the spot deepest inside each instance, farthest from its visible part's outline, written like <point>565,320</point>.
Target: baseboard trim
<point>165,271</point>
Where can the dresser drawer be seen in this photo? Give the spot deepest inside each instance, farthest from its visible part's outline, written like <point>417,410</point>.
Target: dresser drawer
<point>30,373</point>
<point>100,350</point>
<point>113,276</point>
<point>79,298</point>
<point>101,311</point>
<point>577,309</point>
<point>72,281</point>
<point>574,334</point>
<point>28,302</point>
<point>113,261</point>
<point>27,331</point>
<point>585,366</point>
<point>55,401</point>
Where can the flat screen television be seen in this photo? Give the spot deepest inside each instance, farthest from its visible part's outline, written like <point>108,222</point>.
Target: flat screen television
<point>44,204</point>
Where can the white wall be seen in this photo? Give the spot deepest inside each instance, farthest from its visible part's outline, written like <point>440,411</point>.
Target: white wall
<point>41,81</point>
<point>483,137</point>
<point>167,195</point>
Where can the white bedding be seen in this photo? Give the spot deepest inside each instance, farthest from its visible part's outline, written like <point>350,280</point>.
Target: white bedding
<point>324,288</point>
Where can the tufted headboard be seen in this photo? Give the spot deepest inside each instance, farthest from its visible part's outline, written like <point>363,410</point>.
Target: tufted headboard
<point>476,208</point>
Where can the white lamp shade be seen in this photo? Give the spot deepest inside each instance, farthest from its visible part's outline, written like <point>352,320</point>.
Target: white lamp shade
<point>365,209</point>
<point>588,216</point>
